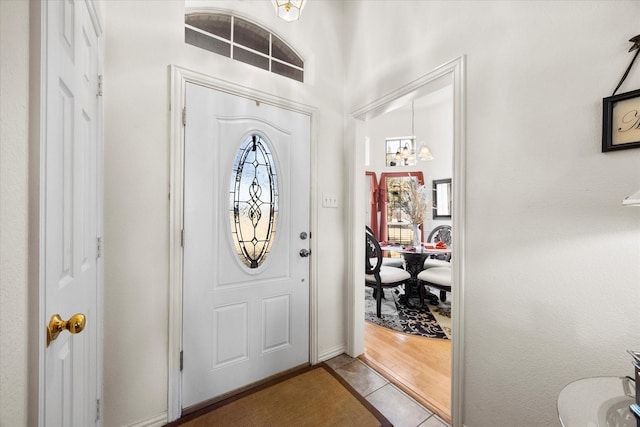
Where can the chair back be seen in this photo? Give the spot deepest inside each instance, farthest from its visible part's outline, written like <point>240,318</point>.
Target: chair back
<point>441,233</point>
<point>373,255</point>
<point>369,230</point>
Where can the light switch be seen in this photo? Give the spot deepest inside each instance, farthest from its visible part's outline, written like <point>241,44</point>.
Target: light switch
<point>329,200</point>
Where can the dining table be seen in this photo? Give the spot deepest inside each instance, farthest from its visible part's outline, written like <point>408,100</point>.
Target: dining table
<point>414,258</point>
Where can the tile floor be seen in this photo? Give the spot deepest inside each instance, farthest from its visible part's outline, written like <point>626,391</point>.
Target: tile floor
<point>394,404</point>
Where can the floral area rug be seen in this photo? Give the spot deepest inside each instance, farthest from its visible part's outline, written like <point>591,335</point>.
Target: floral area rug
<point>430,321</point>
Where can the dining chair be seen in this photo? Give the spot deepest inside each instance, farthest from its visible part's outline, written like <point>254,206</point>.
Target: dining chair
<point>388,261</point>
<point>441,233</point>
<point>437,277</point>
<point>435,262</point>
<point>378,276</point>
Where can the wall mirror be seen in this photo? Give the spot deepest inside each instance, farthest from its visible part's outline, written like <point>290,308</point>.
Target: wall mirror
<point>442,198</point>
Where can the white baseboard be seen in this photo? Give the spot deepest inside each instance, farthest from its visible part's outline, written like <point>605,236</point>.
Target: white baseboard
<point>332,352</point>
<point>157,421</point>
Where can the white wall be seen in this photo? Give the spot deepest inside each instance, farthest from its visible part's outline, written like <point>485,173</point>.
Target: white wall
<point>14,133</point>
<point>553,259</point>
<point>143,39</point>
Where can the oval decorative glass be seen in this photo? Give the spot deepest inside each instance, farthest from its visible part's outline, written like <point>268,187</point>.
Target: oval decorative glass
<point>254,201</point>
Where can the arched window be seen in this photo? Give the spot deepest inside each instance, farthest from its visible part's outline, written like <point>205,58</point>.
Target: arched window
<point>244,41</point>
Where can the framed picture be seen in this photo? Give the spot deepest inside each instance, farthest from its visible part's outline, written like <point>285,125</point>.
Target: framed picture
<point>621,121</point>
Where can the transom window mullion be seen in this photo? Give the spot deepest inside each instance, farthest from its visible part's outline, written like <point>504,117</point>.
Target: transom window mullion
<point>288,64</point>
<point>248,49</point>
<point>206,33</point>
<point>270,49</point>
<point>233,26</point>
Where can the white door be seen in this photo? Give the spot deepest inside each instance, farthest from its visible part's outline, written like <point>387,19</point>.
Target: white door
<point>69,213</point>
<point>245,305</point>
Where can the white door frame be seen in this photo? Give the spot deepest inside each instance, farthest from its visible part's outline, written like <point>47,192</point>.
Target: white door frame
<point>455,71</point>
<point>179,77</point>
<point>37,176</point>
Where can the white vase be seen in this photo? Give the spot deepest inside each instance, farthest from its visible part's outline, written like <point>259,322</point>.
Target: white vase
<point>417,241</point>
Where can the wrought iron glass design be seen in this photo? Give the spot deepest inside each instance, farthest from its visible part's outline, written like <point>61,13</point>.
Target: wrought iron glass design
<point>254,201</point>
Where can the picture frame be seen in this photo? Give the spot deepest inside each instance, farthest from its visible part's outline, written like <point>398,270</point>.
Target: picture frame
<point>621,121</point>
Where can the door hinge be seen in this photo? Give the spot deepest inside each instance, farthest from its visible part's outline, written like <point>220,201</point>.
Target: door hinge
<point>181,360</point>
<point>182,238</point>
<point>98,247</point>
<point>184,116</point>
<point>99,85</point>
<point>97,409</point>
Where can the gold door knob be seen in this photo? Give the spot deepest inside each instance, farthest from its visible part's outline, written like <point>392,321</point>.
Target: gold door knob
<point>74,325</point>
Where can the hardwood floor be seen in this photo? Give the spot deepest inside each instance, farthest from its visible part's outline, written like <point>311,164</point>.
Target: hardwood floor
<point>420,366</point>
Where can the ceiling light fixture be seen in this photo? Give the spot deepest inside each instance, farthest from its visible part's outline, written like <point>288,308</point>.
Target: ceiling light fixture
<point>289,10</point>
<point>424,153</point>
<point>406,151</point>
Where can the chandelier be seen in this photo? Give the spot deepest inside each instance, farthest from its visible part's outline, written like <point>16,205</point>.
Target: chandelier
<point>289,10</point>
<point>424,153</point>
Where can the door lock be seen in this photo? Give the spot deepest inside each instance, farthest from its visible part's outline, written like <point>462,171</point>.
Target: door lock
<point>74,325</point>
<point>303,235</point>
<point>305,253</point>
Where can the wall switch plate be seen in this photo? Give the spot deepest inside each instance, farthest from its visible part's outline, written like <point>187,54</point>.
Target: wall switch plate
<point>329,200</point>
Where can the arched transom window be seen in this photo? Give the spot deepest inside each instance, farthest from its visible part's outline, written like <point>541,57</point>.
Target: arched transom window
<point>244,41</point>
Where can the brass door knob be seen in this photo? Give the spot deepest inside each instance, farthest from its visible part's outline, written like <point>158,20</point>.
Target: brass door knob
<point>74,325</point>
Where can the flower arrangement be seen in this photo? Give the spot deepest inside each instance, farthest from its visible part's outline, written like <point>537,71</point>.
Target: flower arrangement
<point>414,202</point>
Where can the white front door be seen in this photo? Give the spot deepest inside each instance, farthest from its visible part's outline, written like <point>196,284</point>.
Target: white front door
<point>246,230</point>
<point>70,197</point>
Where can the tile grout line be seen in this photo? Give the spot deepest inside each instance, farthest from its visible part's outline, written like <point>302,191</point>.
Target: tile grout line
<point>370,370</point>
<point>430,414</point>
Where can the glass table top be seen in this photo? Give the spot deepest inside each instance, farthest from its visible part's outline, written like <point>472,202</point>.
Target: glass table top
<point>597,402</point>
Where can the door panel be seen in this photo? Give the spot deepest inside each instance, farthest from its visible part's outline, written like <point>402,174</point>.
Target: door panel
<point>244,319</point>
<point>70,212</point>
<point>231,345</point>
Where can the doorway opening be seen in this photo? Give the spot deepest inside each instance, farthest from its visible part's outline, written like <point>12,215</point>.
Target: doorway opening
<point>417,359</point>
<point>449,74</point>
